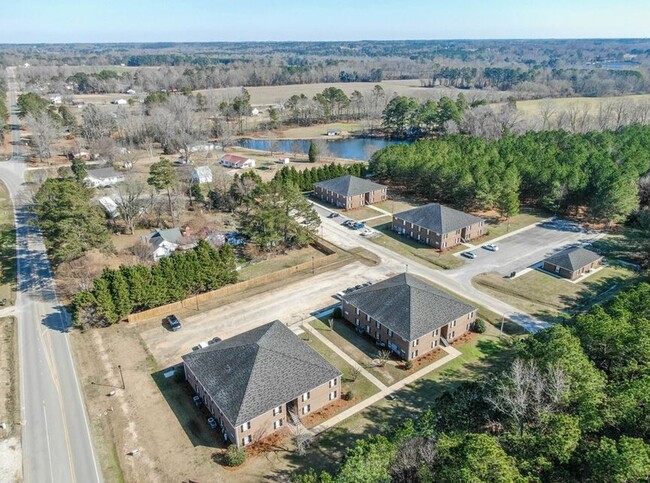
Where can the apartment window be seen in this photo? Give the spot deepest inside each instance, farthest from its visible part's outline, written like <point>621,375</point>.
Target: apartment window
<point>367,318</point>
<point>332,395</point>
<point>277,424</point>
<point>434,343</point>
<point>467,326</point>
<point>306,409</point>
<point>377,324</point>
<point>333,382</point>
<point>416,342</point>
<point>357,311</point>
<point>247,440</point>
<point>367,329</point>
<point>356,321</point>
<point>444,244</point>
<point>390,333</point>
<point>453,334</point>
<point>428,232</point>
<point>469,316</point>
<point>436,332</point>
<point>246,426</point>
<point>277,410</point>
<point>453,324</point>
<point>306,396</point>
<point>414,354</point>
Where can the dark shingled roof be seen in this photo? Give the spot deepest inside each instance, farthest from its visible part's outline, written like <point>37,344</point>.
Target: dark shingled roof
<point>349,185</point>
<point>438,218</point>
<point>254,372</point>
<point>408,306</point>
<point>573,259</point>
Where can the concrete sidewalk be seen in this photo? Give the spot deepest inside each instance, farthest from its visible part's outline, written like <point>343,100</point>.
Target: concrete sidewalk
<point>345,357</point>
<point>452,353</point>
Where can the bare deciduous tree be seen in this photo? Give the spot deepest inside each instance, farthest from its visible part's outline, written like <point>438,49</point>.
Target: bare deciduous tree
<point>301,436</point>
<point>524,392</point>
<point>411,456</point>
<point>383,356</point>
<point>44,132</point>
<point>131,201</point>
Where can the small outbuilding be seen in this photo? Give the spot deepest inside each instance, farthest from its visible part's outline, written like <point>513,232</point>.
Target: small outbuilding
<point>572,263</point>
<point>202,174</point>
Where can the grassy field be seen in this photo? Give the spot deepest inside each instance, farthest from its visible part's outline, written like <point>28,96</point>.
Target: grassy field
<point>548,297</point>
<point>532,108</point>
<point>278,262</point>
<point>318,131</point>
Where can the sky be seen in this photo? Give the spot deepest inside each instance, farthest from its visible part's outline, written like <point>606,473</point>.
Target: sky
<point>62,21</point>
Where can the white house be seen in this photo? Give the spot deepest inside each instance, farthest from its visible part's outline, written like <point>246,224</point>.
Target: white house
<point>283,161</point>
<point>120,102</point>
<point>103,177</point>
<point>238,162</point>
<point>56,99</point>
<point>163,242</point>
<point>202,174</point>
<point>255,112</point>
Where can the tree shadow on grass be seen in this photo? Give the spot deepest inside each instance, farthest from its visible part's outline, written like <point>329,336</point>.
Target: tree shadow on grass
<point>178,394</point>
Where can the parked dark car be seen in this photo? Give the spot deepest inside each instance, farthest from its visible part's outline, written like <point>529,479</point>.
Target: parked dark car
<point>174,323</point>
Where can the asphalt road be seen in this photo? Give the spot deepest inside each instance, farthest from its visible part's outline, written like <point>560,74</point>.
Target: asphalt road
<point>457,281</point>
<point>56,441</point>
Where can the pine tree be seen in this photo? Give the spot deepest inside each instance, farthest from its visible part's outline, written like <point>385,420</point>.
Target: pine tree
<point>119,289</point>
<point>104,301</point>
<point>313,152</point>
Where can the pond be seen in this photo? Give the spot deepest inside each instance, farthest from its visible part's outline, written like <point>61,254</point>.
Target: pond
<point>349,148</point>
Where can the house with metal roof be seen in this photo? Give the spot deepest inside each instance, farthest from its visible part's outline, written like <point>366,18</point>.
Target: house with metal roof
<point>407,315</point>
<point>163,242</point>
<point>202,174</point>
<point>237,162</point>
<point>573,262</point>
<point>438,226</point>
<point>350,192</point>
<point>259,381</point>
<point>103,177</point>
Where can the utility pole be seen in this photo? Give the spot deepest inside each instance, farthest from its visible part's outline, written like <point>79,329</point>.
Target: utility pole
<point>313,267</point>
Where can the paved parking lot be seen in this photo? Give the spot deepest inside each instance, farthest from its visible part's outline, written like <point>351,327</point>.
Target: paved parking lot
<point>523,249</point>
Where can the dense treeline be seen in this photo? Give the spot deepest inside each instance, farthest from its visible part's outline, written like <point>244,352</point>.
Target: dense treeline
<point>133,288</point>
<point>306,178</point>
<point>574,405</point>
<point>4,111</point>
<point>552,169</point>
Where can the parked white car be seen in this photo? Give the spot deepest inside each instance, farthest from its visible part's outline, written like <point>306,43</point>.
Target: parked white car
<point>492,247</point>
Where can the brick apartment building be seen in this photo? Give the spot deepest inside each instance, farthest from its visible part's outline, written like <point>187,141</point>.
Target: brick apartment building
<point>438,226</point>
<point>251,382</point>
<point>407,315</point>
<point>350,192</point>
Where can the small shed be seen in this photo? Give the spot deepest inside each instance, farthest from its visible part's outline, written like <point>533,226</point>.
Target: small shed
<point>202,174</point>
<point>573,262</point>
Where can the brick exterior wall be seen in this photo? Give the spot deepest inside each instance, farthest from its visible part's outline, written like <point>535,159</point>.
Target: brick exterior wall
<point>442,241</point>
<point>406,349</point>
<point>563,272</point>
<point>351,202</point>
<point>264,424</point>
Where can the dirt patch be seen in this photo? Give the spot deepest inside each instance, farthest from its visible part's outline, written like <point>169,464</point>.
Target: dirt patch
<point>11,460</point>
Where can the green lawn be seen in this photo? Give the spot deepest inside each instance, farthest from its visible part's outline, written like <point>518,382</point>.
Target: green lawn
<point>361,349</point>
<point>7,247</point>
<point>482,355</point>
<point>416,251</point>
<point>278,262</point>
<point>361,387</point>
<point>549,297</point>
<point>625,243</point>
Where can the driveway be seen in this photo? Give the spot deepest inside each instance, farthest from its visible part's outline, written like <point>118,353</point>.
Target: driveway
<point>290,304</point>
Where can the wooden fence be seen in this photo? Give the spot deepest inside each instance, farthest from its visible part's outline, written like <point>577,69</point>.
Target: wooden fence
<point>194,301</point>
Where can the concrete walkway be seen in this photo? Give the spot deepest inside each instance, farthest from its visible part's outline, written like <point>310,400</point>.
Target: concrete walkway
<point>452,353</point>
<point>384,212</point>
<point>345,357</point>
<point>8,311</point>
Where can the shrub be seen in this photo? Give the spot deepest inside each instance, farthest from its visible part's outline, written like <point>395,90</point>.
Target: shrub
<point>338,313</point>
<point>409,365</point>
<point>479,326</point>
<point>348,396</point>
<point>234,456</point>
